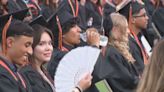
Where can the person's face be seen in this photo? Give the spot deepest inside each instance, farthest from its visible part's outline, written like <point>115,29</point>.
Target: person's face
<point>141,19</point>
<point>19,49</point>
<point>72,37</point>
<point>43,51</point>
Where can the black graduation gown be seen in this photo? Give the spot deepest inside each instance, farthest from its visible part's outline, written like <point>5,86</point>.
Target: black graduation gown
<point>82,16</point>
<point>92,12</point>
<point>81,12</point>
<point>7,81</point>
<point>158,19</point>
<point>108,9</point>
<point>137,54</point>
<point>56,57</point>
<point>47,11</point>
<point>120,75</point>
<point>38,84</point>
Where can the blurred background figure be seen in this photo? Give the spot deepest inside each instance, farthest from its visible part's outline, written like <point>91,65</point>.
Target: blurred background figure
<point>3,7</point>
<point>48,7</point>
<point>15,5</point>
<point>153,76</point>
<point>94,14</point>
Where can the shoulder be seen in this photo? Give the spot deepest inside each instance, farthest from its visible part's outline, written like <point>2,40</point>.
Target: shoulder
<point>111,50</point>
<point>112,55</point>
<point>29,72</point>
<point>27,69</point>
<point>4,72</point>
<point>58,53</point>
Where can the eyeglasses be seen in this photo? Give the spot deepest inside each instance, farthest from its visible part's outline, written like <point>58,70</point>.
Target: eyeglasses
<point>143,15</point>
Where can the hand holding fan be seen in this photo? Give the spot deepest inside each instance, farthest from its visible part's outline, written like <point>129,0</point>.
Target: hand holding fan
<point>73,66</point>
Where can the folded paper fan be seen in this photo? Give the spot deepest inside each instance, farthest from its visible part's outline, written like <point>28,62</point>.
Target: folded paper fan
<point>73,66</point>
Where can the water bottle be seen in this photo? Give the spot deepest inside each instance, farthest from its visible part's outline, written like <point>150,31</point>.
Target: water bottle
<point>103,39</point>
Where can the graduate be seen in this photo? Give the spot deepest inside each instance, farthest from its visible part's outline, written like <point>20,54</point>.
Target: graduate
<point>116,64</point>
<point>150,33</point>
<point>17,39</point>
<point>138,21</point>
<point>42,48</point>
<point>94,14</point>
<point>68,39</point>
<point>48,7</point>
<point>137,14</point>
<point>77,9</point>
<point>35,72</point>
<point>67,36</point>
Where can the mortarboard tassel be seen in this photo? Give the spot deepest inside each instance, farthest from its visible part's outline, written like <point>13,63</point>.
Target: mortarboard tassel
<point>4,32</point>
<point>60,33</point>
<point>100,10</point>
<point>75,13</point>
<point>144,54</point>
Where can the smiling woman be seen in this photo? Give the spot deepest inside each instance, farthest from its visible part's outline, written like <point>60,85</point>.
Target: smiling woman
<point>42,49</point>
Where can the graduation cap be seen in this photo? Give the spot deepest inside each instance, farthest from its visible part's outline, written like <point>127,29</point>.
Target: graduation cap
<point>122,7</point>
<point>131,8</point>
<point>59,23</point>
<point>124,10</point>
<point>5,22</point>
<point>123,4</point>
<point>20,15</point>
<point>39,20</point>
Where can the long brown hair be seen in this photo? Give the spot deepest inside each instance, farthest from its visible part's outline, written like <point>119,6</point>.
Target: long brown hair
<point>38,31</point>
<point>153,76</point>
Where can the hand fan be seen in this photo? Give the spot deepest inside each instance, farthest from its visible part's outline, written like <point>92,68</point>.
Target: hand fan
<point>73,66</point>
